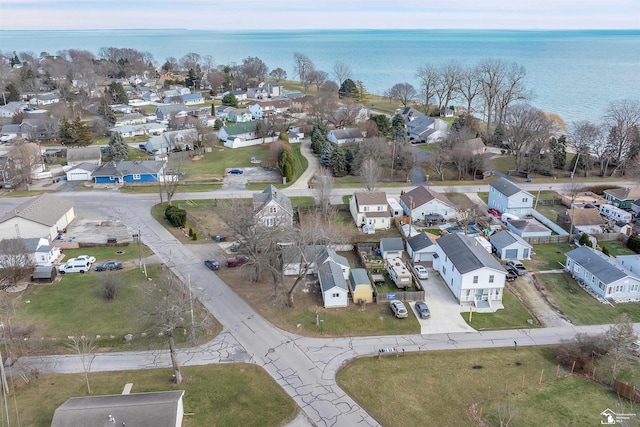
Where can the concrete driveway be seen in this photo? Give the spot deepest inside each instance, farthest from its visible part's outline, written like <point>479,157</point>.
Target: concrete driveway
<point>252,174</point>
<point>445,310</point>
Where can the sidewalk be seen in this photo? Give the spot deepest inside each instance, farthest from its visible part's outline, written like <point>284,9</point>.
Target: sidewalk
<point>303,181</point>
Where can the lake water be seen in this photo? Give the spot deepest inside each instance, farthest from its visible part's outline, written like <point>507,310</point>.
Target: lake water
<point>575,74</point>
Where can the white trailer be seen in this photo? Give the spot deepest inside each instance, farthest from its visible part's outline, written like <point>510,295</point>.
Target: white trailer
<point>615,213</point>
<point>398,273</point>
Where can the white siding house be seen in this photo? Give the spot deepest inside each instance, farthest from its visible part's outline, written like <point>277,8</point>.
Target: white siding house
<point>273,208</point>
<point>509,245</point>
<point>423,201</point>
<point>371,209</point>
<point>507,197</point>
<point>421,248</point>
<point>335,292</point>
<point>40,217</point>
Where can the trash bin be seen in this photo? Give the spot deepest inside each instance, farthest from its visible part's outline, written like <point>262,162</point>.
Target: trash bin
<point>528,179</point>
<point>218,239</point>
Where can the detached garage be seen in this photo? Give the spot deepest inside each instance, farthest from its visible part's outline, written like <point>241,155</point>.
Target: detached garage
<point>81,172</point>
<point>509,245</point>
<point>421,248</point>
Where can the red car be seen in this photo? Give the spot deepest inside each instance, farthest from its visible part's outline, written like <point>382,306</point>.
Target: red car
<point>494,212</point>
<point>239,260</point>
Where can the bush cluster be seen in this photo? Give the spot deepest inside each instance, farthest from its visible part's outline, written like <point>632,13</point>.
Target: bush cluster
<point>176,216</point>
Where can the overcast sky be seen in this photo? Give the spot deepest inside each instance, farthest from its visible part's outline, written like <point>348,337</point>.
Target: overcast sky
<point>319,14</point>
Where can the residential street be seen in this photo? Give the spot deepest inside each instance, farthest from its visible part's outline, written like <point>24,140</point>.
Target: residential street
<point>304,367</point>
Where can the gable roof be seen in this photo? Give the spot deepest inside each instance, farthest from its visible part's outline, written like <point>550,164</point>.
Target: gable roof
<point>129,167</point>
<point>347,133</point>
<point>422,195</point>
<point>505,238</point>
<point>359,276</point>
<point>528,225</point>
<point>419,242</point>
<point>370,198</point>
<point>330,276</point>
<point>76,154</point>
<point>157,409</point>
<point>624,193</point>
<point>269,194</point>
<point>292,255</point>
<point>330,254</point>
<point>241,128</point>
<point>601,266</point>
<point>44,209</point>
<point>466,253</point>
<point>391,244</point>
<point>506,187</point>
<point>581,217</point>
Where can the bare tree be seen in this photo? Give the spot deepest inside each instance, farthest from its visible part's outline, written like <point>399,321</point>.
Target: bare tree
<point>322,189</point>
<point>620,335</point>
<point>15,260</point>
<point>190,61</point>
<point>303,66</point>
<point>513,89</point>
<point>438,162</point>
<point>491,75</point>
<point>447,83</point>
<point>370,173</point>
<point>470,86</point>
<point>507,411</point>
<point>278,74</point>
<point>341,72</point>
<point>403,92</point>
<point>428,77</point>
<point>572,189</point>
<point>26,156</point>
<point>84,348</point>
<point>405,159</point>
<point>624,135</point>
<point>528,130</point>
<point>586,138</point>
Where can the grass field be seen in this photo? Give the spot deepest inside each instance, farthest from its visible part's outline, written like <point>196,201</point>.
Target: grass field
<point>437,388</point>
<point>513,316</point>
<point>215,395</point>
<point>549,256</point>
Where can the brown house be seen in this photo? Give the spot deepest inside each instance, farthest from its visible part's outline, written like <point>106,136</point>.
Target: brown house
<point>580,218</point>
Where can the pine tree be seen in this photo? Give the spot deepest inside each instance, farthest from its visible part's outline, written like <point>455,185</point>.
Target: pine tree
<point>65,134</point>
<point>325,156</point>
<point>105,111</point>
<point>287,163</point>
<point>338,162</point>
<point>118,149</point>
<point>362,94</point>
<point>398,130</point>
<point>81,134</point>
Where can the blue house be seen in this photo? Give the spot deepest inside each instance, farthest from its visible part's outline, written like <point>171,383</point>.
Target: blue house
<point>126,171</point>
<point>507,197</point>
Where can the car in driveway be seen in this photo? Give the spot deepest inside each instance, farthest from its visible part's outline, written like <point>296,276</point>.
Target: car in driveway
<point>398,309</point>
<point>494,212</point>
<point>517,266</point>
<point>235,246</point>
<point>421,272</point>
<point>511,275</point>
<point>423,310</point>
<point>212,264</point>
<point>109,265</point>
<point>239,260</point>
<point>87,258</point>
<point>236,171</point>
<point>75,266</point>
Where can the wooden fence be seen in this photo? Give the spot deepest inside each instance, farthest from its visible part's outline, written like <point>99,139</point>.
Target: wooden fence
<point>625,390</point>
<point>382,298</point>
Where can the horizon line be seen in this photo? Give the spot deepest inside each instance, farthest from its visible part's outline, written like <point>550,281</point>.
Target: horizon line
<point>328,29</point>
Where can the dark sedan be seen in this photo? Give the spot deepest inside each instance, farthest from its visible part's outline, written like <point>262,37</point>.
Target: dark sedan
<point>423,310</point>
<point>212,264</point>
<point>236,171</point>
<point>109,265</point>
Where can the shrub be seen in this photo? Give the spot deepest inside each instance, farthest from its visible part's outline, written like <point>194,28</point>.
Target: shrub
<point>605,251</point>
<point>109,289</point>
<point>634,243</point>
<point>585,240</point>
<point>176,216</point>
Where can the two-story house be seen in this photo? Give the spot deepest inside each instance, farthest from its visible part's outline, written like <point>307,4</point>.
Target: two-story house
<point>622,197</point>
<point>507,197</point>
<point>370,209</point>
<point>473,275</point>
<point>272,208</point>
<point>423,201</point>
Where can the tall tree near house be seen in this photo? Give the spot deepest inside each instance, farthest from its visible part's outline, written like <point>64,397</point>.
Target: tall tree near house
<point>528,129</point>
<point>428,76</point>
<point>322,189</point>
<point>318,78</point>
<point>398,129</point>
<point>624,135</point>
<point>558,148</point>
<point>26,156</point>
<point>383,123</point>
<point>230,100</point>
<point>12,92</point>
<point>403,92</point>
<point>363,95</point>
<point>278,74</point>
<point>491,75</point>
<point>81,133</point>
<point>348,89</point>
<point>190,61</point>
<point>65,133</point>
<point>105,111</point>
<point>470,86</point>
<point>405,159</point>
<point>369,173</point>
<point>513,89</point>
<point>447,83</point>
<point>15,260</point>
<point>303,67</point>
<point>338,162</point>
<point>438,161</point>
<point>341,72</point>
<point>287,163</point>
<point>586,136</point>
<point>620,337</point>
<point>117,93</point>
<point>118,149</point>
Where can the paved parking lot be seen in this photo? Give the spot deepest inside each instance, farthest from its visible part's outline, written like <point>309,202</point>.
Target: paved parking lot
<point>252,174</point>
<point>445,310</point>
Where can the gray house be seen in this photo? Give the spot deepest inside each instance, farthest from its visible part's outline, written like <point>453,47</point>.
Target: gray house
<point>421,248</point>
<point>391,247</point>
<point>509,245</point>
<point>333,285</point>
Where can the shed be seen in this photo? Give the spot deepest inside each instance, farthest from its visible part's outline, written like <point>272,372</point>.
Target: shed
<point>44,273</point>
<point>360,286</point>
<point>508,245</point>
<point>391,247</point>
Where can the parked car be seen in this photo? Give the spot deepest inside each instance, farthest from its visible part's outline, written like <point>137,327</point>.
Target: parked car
<point>420,271</point>
<point>236,171</point>
<point>235,247</point>
<point>239,260</point>
<point>90,259</point>
<point>398,309</point>
<point>75,266</point>
<point>109,265</point>
<point>511,275</point>
<point>212,264</point>
<point>423,310</point>
<point>518,266</point>
<point>494,212</point>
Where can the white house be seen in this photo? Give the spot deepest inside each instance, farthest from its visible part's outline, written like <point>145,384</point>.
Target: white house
<point>78,155</point>
<point>43,217</point>
<point>391,247</point>
<point>272,208</point>
<point>421,248</point>
<point>81,172</point>
<point>509,245</point>
<point>423,201</point>
<point>183,139</point>
<point>335,292</point>
<point>11,108</point>
<point>45,99</point>
<point>370,208</point>
<point>243,131</point>
<point>41,250</point>
<point>472,274</point>
<point>345,136</point>
<point>616,279</point>
<point>330,256</point>
<point>507,197</point>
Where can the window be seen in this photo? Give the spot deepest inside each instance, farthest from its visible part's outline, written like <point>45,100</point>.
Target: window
<point>601,286</point>
<point>525,253</point>
<point>335,295</point>
<point>273,209</point>
<point>136,176</point>
<point>619,288</point>
<point>269,222</point>
<point>525,199</point>
<point>444,270</point>
<point>633,288</point>
<point>491,279</point>
<point>365,208</point>
<point>577,269</point>
<point>380,208</point>
<point>475,280</point>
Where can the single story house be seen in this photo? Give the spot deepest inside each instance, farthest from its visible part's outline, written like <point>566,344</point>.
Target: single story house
<point>474,276</point>
<point>528,227</point>
<point>622,197</point>
<point>370,209</point>
<point>509,245</point>
<point>183,139</point>
<point>585,220</point>
<point>122,108</point>
<point>41,250</point>
<point>345,136</point>
<point>126,171</point>
<point>130,119</point>
<point>421,248</point>
<point>273,208</point>
<point>335,292</point>
<point>129,131</point>
<point>423,201</point>
<point>45,99</point>
<point>293,258</point>
<point>635,207</point>
<point>11,108</point>
<point>153,409</point>
<point>391,247</point>
<point>330,256</point>
<point>81,172</point>
<point>242,131</point>
<point>44,216</point>
<point>360,286</point>
<point>78,155</point>
<point>616,279</point>
<point>507,197</point>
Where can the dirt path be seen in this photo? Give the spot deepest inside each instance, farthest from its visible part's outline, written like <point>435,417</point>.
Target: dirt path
<point>538,301</point>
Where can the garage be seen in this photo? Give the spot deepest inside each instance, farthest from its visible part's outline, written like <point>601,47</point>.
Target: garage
<point>510,254</point>
<point>81,172</point>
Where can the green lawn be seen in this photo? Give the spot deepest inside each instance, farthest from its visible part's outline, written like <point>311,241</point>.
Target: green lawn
<point>484,196</point>
<point>181,188</point>
<point>215,395</point>
<point>581,307</point>
<point>549,256</point>
<point>551,211</point>
<point>503,163</point>
<point>616,248</point>
<point>513,316</point>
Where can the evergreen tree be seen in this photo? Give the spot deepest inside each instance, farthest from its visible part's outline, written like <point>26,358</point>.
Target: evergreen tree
<point>348,89</point>
<point>14,92</point>
<point>558,148</point>
<point>318,138</point>
<point>118,149</point>
<point>218,124</point>
<point>117,93</point>
<point>287,163</point>
<point>65,133</point>
<point>383,123</point>
<point>105,111</point>
<point>283,136</point>
<point>362,94</point>
<point>348,157</point>
<point>81,133</point>
<point>325,156</point>
<point>398,130</point>
<point>230,100</point>
<point>338,162</point>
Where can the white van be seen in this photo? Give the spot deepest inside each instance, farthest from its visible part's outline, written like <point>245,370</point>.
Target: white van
<point>506,217</point>
<point>75,266</point>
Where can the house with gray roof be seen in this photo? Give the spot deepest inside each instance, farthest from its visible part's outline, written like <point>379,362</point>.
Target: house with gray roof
<point>421,248</point>
<point>182,140</point>
<point>622,197</point>
<point>154,409</point>
<point>474,276</point>
<point>43,216</point>
<point>509,245</point>
<point>132,172</point>
<point>422,202</point>
<point>273,208</point>
<point>295,258</point>
<point>333,286</point>
<point>234,133</point>
<point>370,209</point>
<point>90,154</point>
<point>616,279</point>
<point>330,256</point>
<point>11,108</point>
<point>41,250</point>
<point>391,247</point>
<point>507,197</point>
<point>360,286</point>
<point>81,172</point>
<point>345,136</point>
<point>528,227</point>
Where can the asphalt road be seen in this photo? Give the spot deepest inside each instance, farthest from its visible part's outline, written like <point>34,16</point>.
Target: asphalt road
<point>304,367</point>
